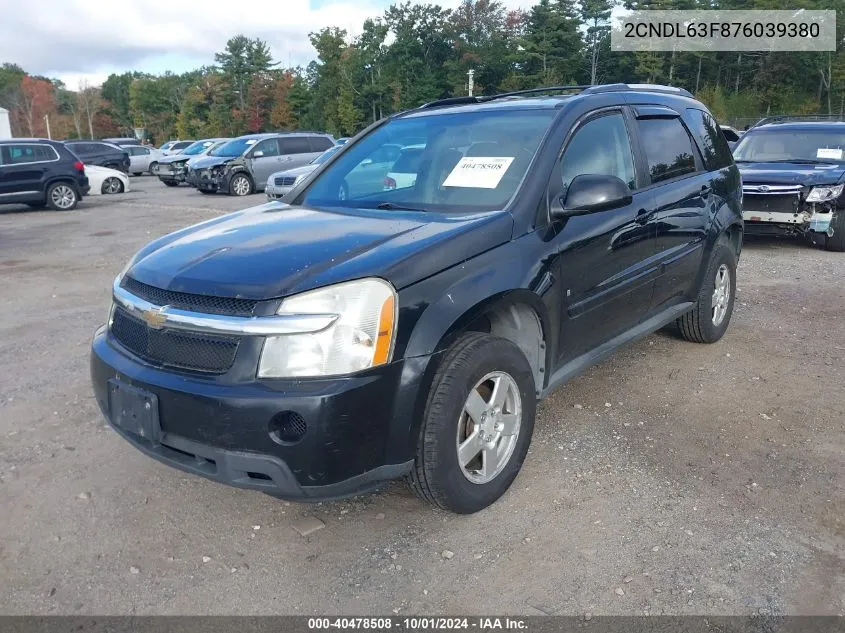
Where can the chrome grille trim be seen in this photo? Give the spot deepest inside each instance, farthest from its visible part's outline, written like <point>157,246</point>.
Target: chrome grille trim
<point>173,318</point>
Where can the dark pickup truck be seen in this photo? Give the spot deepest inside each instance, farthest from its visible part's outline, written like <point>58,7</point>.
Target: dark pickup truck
<point>320,348</point>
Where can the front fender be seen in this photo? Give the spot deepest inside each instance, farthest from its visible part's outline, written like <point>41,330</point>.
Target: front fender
<point>437,308</point>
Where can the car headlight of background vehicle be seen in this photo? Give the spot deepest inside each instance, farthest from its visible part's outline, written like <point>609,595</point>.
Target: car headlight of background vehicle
<point>360,337</point>
<point>825,193</point>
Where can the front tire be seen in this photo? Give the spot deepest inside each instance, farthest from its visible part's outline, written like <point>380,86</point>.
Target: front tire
<point>62,197</point>
<point>112,185</point>
<point>709,318</point>
<point>170,183</point>
<point>240,185</point>
<point>477,424</point>
<point>836,242</point>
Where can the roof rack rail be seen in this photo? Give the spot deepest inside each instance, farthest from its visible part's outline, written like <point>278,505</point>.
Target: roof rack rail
<point>788,118</point>
<point>584,89</point>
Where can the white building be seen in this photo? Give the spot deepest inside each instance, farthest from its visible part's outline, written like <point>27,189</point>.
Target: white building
<point>5,128</point>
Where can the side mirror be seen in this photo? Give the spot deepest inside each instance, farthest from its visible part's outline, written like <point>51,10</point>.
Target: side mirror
<point>257,154</point>
<point>589,193</point>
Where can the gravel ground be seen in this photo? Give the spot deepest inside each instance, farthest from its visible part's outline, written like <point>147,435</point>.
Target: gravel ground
<point>671,479</point>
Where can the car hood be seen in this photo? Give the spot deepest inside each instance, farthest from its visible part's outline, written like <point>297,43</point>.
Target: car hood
<point>172,158</point>
<point>296,171</point>
<point>212,161</point>
<point>790,173</point>
<point>275,250</point>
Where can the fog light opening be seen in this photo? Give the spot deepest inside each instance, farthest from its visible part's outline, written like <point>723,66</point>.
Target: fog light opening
<point>287,427</point>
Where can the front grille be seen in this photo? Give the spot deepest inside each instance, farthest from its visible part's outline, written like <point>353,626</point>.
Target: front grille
<point>191,302</point>
<point>174,348</point>
<point>285,181</point>
<point>770,203</point>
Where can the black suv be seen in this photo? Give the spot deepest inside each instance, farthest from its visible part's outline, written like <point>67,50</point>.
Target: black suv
<point>793,176</point>
<point>40,173</point>
<point>101,153</point>
<point>318,349</point>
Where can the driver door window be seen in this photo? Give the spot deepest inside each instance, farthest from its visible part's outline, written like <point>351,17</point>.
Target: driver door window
<point>600,147</point>
<point>269,147</point>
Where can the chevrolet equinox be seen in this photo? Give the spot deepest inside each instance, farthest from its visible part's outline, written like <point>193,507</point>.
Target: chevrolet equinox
<point>320,348</point>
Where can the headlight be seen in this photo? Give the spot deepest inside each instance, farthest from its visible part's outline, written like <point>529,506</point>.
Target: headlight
<point>824,194</point>
<point>360,337</point>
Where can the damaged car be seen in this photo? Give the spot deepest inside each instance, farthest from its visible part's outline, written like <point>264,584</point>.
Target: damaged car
<point>793,176</point>
<point>174,169</point>
<point>243,165</point>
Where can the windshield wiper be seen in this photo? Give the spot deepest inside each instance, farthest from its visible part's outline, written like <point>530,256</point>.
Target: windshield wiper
<point>396,207</point>
<point>798,161</point>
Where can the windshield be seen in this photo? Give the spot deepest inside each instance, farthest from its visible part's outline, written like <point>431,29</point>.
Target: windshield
<point>774,145</point>
<point>196,148</point>
<point>322,158</point>
<point>466,161</point>
<point>235,147</point>
<point>167,145</point>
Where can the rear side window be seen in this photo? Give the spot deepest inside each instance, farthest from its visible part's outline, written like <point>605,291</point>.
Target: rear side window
<point>81,149</point>
<point>295,145</point>
<point>601,147</point>
<point>319,143</point>
<point>668,148</point>
<point>20,154</point>
<point>713,144</point>
<point>181,144</point>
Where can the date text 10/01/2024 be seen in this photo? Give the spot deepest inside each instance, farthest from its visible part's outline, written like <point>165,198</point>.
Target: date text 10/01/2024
<point>421,623</point>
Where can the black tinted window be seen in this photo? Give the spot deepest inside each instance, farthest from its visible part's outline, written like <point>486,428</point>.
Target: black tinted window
<point>319,143</point>
<point>19,154</point>
<point>600,147</point>
<point>667,147</point>
<point>269,147</point>
<point>181,144</point>
<point>81,149</point>
<point>295,145</point>
<point>711,141</point>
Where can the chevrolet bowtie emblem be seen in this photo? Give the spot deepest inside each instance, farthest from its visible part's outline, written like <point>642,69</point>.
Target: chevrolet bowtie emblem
<point>155,317</point>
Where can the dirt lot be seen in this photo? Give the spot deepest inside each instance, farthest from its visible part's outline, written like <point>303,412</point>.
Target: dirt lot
<point>673,478</point>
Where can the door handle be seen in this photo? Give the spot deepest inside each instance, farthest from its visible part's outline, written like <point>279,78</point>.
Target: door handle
<point>643,216</point>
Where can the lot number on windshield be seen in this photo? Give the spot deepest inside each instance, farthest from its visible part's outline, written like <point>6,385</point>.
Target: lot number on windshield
<point>479,172</point>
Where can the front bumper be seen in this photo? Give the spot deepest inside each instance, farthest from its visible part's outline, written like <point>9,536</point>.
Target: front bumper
<point>222,427</point>
<point>207,181</point>
<point>167,173</point>
<point>276,193</point>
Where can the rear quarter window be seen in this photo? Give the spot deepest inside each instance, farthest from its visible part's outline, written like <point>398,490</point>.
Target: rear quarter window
<point>713,145</point>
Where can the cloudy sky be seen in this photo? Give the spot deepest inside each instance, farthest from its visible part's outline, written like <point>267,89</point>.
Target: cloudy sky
<point>78,40</point>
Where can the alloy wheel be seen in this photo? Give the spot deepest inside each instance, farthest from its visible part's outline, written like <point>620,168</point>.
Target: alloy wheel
<point>721,295</point>
<point>488,427</point>
<point>63,197</point>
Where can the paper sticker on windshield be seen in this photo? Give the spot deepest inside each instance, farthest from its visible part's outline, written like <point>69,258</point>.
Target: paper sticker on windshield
<point>251,141</point>
<point>478,172</point>
<point>825,152</point>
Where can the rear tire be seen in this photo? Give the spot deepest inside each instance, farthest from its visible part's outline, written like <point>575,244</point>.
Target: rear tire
<point>502,427</point>
<point>709,318</point>
<point>154,169</point>
<point>62,196</point>
<point>836,242</point>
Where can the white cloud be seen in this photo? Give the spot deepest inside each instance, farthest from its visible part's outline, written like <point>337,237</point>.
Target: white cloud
<point>89,39</point>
